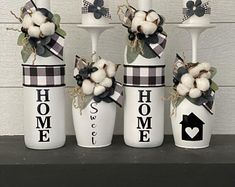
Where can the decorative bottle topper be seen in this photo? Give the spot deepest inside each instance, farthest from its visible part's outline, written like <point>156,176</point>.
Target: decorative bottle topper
<point>95,12</point>
<point>196,8</point>
<point>41,33</point>
<point>96,80</point>
<point>146,35</point>
<point>194,82</point>
<point>97,8</point>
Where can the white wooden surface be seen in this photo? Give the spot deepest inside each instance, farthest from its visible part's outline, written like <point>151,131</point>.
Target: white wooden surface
<point>217,46</point>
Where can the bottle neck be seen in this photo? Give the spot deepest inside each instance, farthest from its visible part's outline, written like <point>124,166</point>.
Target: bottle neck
<point>43,4</point>
<point>145,5</point>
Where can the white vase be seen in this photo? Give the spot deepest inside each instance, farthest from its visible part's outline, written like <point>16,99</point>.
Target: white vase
<point>192,125</point>
<point>144,107</point>
<point>94,125</point>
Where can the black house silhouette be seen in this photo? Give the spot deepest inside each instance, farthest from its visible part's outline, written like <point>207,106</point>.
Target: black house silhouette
<point>192,128</point>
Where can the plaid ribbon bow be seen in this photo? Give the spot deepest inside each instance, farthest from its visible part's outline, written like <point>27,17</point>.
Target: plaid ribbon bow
<point>118,95</point>
<point>179,62</point>
<point>91,8</point>
<point>56,45</point>
<point>158,47</point>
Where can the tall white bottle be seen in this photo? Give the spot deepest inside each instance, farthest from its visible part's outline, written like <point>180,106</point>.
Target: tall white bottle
<point>144,105</point>
<point>44,106</point>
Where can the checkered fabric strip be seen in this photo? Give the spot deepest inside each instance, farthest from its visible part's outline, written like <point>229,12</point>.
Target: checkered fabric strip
<point>85,10</point>
<point>145,76</point>
<point>209,105</point>
<point>159,47</point>
<point>43,76</point>
<point>56,45</point>
<point>86,4</point>
<point>29,7</point>
<point>118,96</point>
<point>179,62</point>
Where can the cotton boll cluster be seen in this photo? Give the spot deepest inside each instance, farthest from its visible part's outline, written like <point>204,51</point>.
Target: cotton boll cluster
<point>202,69</point>
<point>145,22</point>
<point>196,81</point>
<point>97,79</point>
<point>103,76</point>
<point>39,24</point>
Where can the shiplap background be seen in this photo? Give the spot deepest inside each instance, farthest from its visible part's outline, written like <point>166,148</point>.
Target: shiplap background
<point>217,46</point>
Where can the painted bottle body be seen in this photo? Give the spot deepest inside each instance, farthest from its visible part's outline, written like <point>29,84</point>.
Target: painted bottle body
<point>44,99</point>
<point>94,125</point>
<point>144,106</point>
<point>192,125</point>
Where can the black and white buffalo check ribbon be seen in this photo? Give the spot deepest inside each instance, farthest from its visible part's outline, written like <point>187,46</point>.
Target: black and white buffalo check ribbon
<point>209,105</point>
<point>85,9</point>
<point>43,76</point>
<point>144,76</point>
<point>159,47</point>
<point>56,45</point>
<point>118,96</point>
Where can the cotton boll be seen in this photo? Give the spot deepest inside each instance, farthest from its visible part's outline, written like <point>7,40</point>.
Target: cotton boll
<point>136,22</point>
<point>148,28</point>
<point>47,28</point>
<point>98,76</point>
<point>100,63</point>
<point>140,15</point>
<point>206,66</point>
<point>195,93</point>
<point>200,67</point>
<point>152,17</point>
<point>182,90</point>
<point>107,82</point>
<point>38,18</point>
<point>88,87</point>
<point>111,69</point>
<point>34,31</point>
<point>194,71</point>
<point>27,21</point>
<point>187,80</point>
<point>203,84</point>
<point>99,90</point>
<point>206,75</point>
